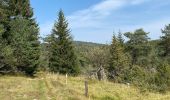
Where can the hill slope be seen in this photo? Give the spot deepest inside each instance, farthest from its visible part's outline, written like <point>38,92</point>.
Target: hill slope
<point>53,87</point>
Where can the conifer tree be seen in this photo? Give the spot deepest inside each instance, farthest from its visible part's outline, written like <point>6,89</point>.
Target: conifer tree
<point>138,44</point>
<point>6,57</point>
<point>120,38</point>
<point>21,8</point>
<point>21,35</point>
<point>24,31</point>
<point>118,60</point>
<point>25,45</point>
<point>5,18</point>
<point>1,46</point>
<point>165,41</point>
<point>62,56</point>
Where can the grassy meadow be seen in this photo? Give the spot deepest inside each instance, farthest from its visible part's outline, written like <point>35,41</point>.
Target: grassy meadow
<point>54,87</point>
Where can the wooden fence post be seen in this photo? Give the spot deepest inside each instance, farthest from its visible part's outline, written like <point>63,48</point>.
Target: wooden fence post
<point>86,88</point>
<point>66,79</point>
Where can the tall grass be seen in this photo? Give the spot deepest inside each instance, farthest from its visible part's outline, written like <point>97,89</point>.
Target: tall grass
<point>53,87</point>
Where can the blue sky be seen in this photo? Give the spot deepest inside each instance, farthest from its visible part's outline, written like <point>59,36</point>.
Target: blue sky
<point>95,20</point>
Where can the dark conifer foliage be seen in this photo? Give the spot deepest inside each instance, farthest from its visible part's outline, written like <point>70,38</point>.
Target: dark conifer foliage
<point>5,48</point>
<point>20,37</point>
<point>120,38</point>
<point>62,56</point>
<point>118,59</point>
<point>25,33</point>
<point>21,8</point>
<point>138,44</point>
<point>25,45</point>
<point>165,41</point>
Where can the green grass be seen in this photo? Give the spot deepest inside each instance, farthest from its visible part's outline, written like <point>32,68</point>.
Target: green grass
<point>53,87</point>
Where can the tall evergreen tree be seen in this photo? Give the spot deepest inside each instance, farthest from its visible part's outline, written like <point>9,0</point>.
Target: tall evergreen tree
<point>5,18</point>
<point>118,60</point>
<point>165,41</point>
<point>21,8</point>
<point>1,46</point>
<point>5,49</point>
<point>25,45</point>
<point>20,36</point>
<point>24,32</point>
<point>120,38</point>
<point>3,9</point>
<point>138,44</point>
<point>62,56</point>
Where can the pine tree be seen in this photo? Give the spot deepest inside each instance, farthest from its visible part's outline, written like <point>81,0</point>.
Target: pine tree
<point>137,45</point>
<point>118,60</point>
<point>165,41</point>
<point>62,56</point>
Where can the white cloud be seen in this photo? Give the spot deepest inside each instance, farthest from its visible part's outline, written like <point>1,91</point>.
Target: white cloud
<point>153,27</point>
<point>94,16</point>
<point>107,6</point>
<point>136,2</point>
<point>104,35</point>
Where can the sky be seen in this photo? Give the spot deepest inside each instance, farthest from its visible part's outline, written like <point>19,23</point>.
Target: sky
<point>96,20</point>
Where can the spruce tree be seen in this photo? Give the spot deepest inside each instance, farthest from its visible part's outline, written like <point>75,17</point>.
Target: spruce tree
<point>120,38</point>
<point>6,52</point>
<point>62,56</point>
<point>21,8</point>
<point>20,36</point>
<point>5,18</point>
<point>1,46</point>
<point>118,60</point>
<point>24,36</point>
<point>25,45</point>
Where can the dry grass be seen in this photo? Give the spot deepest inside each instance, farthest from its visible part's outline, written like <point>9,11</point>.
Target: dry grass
<point>53,87</point>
